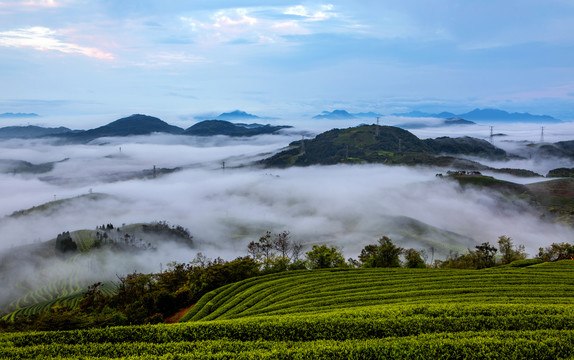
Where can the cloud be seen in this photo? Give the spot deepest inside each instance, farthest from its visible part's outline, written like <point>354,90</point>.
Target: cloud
<point>261,25</point>
<point>324,12</point>
<point>45,39</point>
<point>346,206</point>
<point>33,4</point>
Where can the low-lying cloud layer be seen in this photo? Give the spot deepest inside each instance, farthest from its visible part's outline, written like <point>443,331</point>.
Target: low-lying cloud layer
<point>348,206</point>
<point>225,208</point>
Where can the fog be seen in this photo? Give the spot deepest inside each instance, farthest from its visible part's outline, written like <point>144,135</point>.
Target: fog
<point>348,206</point>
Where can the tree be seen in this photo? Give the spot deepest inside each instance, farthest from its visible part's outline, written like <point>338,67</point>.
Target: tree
<point>556,251</point>
<point>509,251</point>
<point>414,260</point>
<point>276,252</point>
<point>321,257</point>
<point>385,254</point>
<point>282,244</point>
<point>262,248</point>
<point>64,243</point>
<point>483,256</point>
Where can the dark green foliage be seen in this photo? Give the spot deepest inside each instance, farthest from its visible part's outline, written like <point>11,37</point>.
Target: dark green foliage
<point>136,124</point>
<point>379,144</point>
<point>65,244</point>
<point>24,167</point>
<point>480,258</point>
<point>525,262</point>
<point>561,172</point>
<point>323,256</point>
<point>517,172</point>
<point>509,251</point>
<point>465,145</point>
<point>175,232</point>
<point>276,252</point>
<point>205,277</point>
<point>413,259</point>
<point>383,254</point>
<point>556,251</point>
<point>150,298</point>
<point>483,256</point>
<point>221,127</point>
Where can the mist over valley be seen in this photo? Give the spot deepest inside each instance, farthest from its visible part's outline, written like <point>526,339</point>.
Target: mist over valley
<point>219,189</point>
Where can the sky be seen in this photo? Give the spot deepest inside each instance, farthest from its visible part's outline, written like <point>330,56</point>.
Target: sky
<point>174,59</point>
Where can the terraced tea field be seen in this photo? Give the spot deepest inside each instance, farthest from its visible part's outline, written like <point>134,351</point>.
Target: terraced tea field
<point>507,312</point>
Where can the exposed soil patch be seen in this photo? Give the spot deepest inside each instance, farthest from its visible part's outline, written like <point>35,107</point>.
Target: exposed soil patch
<point>178,315</point>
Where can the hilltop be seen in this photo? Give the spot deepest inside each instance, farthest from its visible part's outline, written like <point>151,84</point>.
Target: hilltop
<point>334,115</point>
<point>24,167</point>
<point>237,115</point>
<point>136,124</point>
<point>31,131</point>
<point>382,144</point>
<point>220,127</point>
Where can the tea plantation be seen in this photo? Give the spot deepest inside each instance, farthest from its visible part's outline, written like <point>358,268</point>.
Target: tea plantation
<point>506,312</point>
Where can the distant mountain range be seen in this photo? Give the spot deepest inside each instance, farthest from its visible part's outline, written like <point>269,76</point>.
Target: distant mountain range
<point>139,124</point>
<point>492,115</point>
<point>486,115</point>
<point>445,122</point>
<point>30,131</point>
<point>18,115</point>
<point>236,115</point>
<point>343,115</point>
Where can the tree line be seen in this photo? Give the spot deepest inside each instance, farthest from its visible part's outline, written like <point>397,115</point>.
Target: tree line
<point>156,297</point>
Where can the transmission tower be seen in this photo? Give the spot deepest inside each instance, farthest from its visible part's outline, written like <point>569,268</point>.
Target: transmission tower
<point>491,134</point>
<point>377,130</point>
<point>302,145</point>
<point>542,134</point>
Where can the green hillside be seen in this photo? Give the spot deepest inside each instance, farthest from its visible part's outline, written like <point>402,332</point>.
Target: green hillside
<point>381,144</point>
<point>556,197</point>
<point>508,312</point>
<point>39,276</point>
<point>321,293</point>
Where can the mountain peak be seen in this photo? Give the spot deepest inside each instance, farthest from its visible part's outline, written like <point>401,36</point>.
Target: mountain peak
<point>335,115</point>
<point>223,127</point>
<point>236,115</point>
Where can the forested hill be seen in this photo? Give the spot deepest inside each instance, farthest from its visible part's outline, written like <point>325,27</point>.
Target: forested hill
<point>380,144</point>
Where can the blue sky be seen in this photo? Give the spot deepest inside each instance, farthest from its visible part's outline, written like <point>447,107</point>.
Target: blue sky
<point>179,59</point>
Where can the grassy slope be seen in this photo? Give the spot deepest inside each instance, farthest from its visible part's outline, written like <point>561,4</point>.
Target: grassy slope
<point>557,197</point>
<point>510,312</point>
<point>318,292</point>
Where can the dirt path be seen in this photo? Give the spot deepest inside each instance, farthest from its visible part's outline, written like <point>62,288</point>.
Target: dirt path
<point>178,315</point>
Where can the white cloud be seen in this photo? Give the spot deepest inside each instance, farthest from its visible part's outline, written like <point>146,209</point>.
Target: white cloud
<point>233,18</point>
<point>251,25</point>
<point>45,39</point>
<point>30,4</point>
<point>322,13</point>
